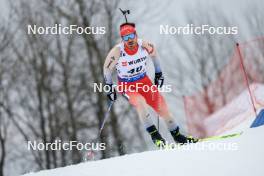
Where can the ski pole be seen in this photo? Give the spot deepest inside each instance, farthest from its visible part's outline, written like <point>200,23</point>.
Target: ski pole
<point>159,109</point>
<point>91,153</point>
<point>106,116</point>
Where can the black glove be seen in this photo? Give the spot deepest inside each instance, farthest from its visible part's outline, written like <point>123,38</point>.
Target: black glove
<point>159,79</point>
<point>112,93</point>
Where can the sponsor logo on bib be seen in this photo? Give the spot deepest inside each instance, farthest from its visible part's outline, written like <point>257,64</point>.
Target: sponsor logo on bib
<point>137,60</point>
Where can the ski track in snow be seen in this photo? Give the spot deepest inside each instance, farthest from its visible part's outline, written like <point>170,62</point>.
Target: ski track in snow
<point>245,161</point>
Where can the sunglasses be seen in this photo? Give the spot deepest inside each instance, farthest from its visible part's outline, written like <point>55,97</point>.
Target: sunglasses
<point>129,36</point>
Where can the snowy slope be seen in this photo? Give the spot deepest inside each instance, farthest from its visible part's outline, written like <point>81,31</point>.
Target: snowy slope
<point>246,160</point>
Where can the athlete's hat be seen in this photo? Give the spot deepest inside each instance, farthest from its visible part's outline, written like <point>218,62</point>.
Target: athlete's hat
<point>127,28</point>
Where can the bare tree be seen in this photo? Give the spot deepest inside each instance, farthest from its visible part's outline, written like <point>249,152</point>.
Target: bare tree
<point>253,50</point>
<point>206,54</point>
<point>53,78</point>
<point>5,40</point>
<point>201,60</point>
<point>3,137</point>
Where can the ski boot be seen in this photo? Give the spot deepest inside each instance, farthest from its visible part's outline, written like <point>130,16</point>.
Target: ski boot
<point>156,137</point>
<point>182,139</point>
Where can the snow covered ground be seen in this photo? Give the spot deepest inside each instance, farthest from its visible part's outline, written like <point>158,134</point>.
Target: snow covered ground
<point>245,157</point>
<point>241,155</point>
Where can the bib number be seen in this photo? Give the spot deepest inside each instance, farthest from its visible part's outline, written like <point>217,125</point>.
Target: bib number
<point>135,70</point>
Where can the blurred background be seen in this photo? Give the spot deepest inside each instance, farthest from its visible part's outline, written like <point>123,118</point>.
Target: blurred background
<point>46,81</point>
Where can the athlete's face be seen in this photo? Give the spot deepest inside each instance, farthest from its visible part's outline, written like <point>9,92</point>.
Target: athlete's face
<point>130,40</point>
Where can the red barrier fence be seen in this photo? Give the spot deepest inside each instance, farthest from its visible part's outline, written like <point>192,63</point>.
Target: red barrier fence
<point>245,68</point>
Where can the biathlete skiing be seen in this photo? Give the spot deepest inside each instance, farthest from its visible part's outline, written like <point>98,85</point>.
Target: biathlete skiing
<point>129,59</point>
